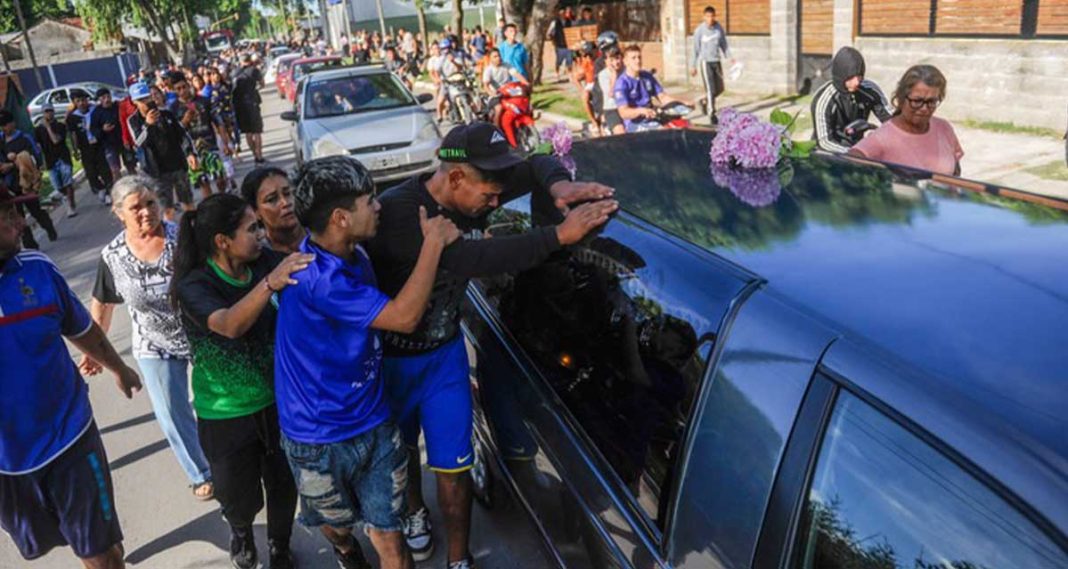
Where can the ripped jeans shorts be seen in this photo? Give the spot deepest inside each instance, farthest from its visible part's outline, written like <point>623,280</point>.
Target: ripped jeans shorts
<point>360,481</point>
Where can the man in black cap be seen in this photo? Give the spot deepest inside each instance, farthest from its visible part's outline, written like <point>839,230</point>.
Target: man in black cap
<point>847,98</point>
<point>426,371</point>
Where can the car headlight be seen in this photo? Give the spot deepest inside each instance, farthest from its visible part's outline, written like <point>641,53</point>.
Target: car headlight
<point>429,133</point>
<point>328,147</point>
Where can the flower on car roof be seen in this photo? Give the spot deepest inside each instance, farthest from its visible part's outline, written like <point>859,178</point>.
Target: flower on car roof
<point>560,137</point>
<point>745,141</point>
<point>755,187</point>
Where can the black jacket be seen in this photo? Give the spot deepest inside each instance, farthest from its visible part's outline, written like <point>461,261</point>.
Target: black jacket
<point>395,249</point>
<point>833,107</point>
<point>166,144</point>
<point>53,151</point>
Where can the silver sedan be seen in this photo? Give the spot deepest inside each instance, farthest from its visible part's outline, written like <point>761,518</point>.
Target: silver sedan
<point>366,113</point>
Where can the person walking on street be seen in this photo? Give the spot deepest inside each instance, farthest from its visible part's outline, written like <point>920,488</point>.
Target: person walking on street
<point>563,54</point>
<point>51,137</point>
<point>19,172</point>
<point>846,98</point>
<point>346,454</point>
<point>129,149</point>
<point>166,147</point>
<point>107,129</point>
<point>224,287</point>
<point>55,482</point>
<point>205,126</point>
<point>247,83</point>
<point>88,147</point>
<point>709,41</point>
<point>135,269</point>
<point>513,52</point>
<point>270,195</point>
<point>425,370</point>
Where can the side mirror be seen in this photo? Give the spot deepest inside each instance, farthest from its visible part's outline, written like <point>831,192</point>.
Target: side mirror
<point>424,98</point>
<point>290,116</point>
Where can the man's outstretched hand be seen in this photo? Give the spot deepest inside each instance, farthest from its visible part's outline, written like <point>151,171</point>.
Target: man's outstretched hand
<point>567,193</point>
<point>584,219</point>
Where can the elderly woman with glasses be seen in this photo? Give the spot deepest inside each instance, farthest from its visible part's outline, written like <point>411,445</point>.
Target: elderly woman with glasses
<point>135,269</point>
<point>914,137</point>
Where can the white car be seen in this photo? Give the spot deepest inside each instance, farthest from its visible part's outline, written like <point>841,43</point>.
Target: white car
<point>273,60</point>
<point>367,113</point>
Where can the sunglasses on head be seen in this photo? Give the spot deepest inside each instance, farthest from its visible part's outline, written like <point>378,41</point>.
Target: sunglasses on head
<point>917,104</point>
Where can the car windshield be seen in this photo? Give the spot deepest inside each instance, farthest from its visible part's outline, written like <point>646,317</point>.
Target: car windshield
<point>306,68</point>
<point>217,42</point>
<point>347,95</point>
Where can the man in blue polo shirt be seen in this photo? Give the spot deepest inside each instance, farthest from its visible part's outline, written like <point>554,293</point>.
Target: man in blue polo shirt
<point>347,457</point>
<point>637,92</point>
<point>55,485</point>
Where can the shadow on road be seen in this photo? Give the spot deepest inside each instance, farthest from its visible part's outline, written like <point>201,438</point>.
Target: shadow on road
<point>146,418</point>
<point>209,528</point>
<point>143,452</point>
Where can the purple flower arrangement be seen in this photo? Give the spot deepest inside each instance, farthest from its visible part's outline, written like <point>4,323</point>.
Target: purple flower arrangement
<point>755,187</point>
<point>560,138</point>
<point>746,152</point>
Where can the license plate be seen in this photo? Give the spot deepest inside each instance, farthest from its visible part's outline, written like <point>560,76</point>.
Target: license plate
<point>384,163</point>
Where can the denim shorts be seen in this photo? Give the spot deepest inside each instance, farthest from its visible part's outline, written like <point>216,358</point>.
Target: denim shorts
<point>60,175</point>
<point>358,481</point>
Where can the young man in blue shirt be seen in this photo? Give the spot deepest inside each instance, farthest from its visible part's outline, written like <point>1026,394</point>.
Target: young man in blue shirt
<point>346,454</point>
<point>636,90</point>
<point>55,484</point>
<point>513,52</point>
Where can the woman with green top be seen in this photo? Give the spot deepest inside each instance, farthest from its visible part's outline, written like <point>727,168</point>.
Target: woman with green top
<point>224,288</point>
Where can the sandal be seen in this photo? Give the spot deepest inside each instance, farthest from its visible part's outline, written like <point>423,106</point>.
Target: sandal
<point>204,491</point>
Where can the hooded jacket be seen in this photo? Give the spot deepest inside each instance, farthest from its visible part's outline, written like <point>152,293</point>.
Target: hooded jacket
<point>834,107</point>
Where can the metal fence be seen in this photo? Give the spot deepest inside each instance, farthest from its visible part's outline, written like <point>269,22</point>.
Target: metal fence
<point>112,70</point>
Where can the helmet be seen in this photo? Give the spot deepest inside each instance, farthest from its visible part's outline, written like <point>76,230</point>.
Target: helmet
<point>445,43</point>
<point>607,39</point>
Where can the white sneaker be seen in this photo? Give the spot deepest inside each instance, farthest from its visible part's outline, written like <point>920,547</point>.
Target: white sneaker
<point>417,534</point>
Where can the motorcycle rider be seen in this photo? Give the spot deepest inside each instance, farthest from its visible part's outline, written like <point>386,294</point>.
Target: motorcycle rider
<point>638,94</point>
<point>848,97</point>
<point>454,60</point>
<point>496,74</point>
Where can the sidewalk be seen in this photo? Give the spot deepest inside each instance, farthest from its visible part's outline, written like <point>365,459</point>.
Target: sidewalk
<point>1027,162</point>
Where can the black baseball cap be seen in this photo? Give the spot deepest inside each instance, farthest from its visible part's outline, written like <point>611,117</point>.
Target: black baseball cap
<point>479,144</point>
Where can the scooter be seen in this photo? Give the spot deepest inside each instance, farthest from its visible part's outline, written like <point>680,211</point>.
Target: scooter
<point>516,119</point>
<point>459,88</point>
<point>672,115</point>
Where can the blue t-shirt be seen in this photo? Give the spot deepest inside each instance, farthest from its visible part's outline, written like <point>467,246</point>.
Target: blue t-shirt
<point>516,56</point>
<point>479,44</point>
<point>328,360</point>
<point>44,406</point>
<point>636,92</point>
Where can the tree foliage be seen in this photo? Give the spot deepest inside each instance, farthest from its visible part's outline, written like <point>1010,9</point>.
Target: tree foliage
<point>34,11</point>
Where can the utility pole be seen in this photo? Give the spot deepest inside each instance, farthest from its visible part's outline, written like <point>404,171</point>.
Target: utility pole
<point>29,46</point>
<point>382,19</point>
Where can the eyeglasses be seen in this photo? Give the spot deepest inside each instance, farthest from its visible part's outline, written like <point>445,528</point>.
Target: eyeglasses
<point>917,104</point>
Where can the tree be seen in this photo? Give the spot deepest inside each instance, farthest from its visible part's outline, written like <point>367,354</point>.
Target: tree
<point>540,15</point>
<point>34,11</point>
<point>458,17</point>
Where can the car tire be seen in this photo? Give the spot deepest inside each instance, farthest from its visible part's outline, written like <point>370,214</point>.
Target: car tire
<point>527,140</point>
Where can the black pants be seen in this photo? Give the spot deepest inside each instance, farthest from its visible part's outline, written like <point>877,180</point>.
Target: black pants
<point>43,219</point>
<point>712,74</point>
<point>246,462</point>
<point>97,171</point>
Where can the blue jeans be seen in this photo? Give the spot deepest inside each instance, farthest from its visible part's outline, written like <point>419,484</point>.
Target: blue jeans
<point>167,383</point>
<point>359,480</point>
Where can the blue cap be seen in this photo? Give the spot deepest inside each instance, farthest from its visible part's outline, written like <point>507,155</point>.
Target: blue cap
<point>139,91</point>
<point>445,44</point>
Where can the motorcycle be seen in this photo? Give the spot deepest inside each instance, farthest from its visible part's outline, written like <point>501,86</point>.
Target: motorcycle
<point>460,91</point>
<point>516,119</point>
<point>671,115</point>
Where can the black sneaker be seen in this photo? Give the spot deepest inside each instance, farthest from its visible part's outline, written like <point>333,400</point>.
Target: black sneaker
<point>280,555</point>
<point>417,533</point>
<point>243,549</point>
<point>354,559</point>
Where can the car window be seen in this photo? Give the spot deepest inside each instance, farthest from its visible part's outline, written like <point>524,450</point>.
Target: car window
<point>883,498</point>
<point>617,346</point>
<point>59,97</point>
<point>348,95</point>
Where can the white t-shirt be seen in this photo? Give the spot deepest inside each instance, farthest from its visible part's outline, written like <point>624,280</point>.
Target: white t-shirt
<point>608,86</point>
<point>434,63</point>
<point>498,75</point>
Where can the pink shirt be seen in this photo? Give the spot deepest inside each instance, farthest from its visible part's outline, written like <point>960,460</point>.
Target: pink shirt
<point>937,150</point>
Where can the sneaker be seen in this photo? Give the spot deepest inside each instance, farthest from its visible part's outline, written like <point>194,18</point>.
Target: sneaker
<point>465,563</point>
<point>417,534</point>
<point>102,196</point>
<point>243,549</point>
<point>354,559</point>
<point>280,555</point>
<point>72,213</point>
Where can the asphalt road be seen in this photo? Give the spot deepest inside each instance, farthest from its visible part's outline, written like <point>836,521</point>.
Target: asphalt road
<point>164,526</point>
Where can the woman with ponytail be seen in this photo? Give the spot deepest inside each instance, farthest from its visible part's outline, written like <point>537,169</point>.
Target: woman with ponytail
<point>224,289</point>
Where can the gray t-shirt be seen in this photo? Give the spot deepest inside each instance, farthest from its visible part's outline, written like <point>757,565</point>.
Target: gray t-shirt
<point>606,80</point>
<point>498,75</point>
<point>144,288</point>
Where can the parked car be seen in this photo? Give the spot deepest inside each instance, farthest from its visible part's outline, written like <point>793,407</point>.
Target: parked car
<point>833,365</point>
<point>306,65</point>
<point>367,113</point>
<point>283,71</point>
<point>273,58</point>
<point>60,97</point>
